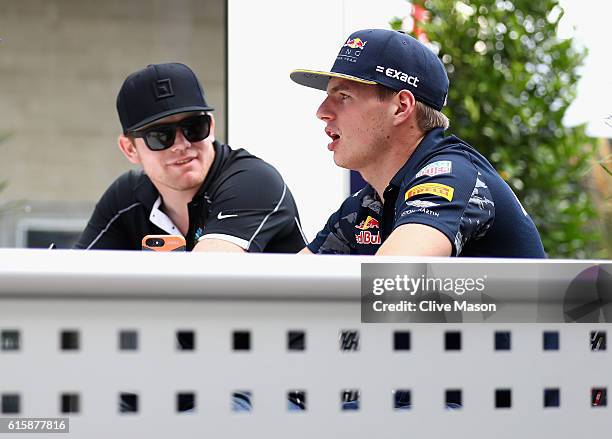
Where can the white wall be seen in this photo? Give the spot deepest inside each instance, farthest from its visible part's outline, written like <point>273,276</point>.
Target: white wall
<point>273,117</point>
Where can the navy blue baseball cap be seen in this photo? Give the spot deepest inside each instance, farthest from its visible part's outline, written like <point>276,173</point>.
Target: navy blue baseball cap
<point>386,57</point>
<point>158,91</point>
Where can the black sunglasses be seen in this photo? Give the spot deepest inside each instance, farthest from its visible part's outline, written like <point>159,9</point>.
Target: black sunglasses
<point>160,137</point>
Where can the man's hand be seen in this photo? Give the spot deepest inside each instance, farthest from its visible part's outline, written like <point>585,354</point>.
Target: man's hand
<point>416,240</point>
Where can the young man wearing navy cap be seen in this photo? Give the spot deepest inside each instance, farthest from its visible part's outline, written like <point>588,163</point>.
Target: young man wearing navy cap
<point>218,198</point>
<point>427,194</point>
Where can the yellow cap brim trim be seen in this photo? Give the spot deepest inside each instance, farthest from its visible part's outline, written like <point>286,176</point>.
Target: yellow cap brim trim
<point>317,79</point>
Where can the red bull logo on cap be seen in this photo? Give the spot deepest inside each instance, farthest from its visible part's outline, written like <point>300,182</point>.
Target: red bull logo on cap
<point>355,43</point>
<point>368,223</point>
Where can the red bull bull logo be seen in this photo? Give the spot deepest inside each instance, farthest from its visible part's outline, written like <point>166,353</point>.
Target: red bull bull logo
<point>367,237</point>
<point>355,43</point>
<point>368,223</point>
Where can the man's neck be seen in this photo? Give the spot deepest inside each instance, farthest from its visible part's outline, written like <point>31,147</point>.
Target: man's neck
<point>174,204</point>
<point>379,175</point>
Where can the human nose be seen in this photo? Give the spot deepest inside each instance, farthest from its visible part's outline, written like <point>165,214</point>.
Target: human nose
<point>180,141</point>
<point>324,111</point>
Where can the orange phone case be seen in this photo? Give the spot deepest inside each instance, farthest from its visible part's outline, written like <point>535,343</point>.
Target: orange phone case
<point>164,243</point>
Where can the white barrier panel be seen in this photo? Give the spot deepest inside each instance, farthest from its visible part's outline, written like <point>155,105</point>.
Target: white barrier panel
<point>129,344</point>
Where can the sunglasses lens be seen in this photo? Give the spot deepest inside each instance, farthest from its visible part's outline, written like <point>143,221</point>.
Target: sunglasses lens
<point>160,138</point>
<point>196,128</point>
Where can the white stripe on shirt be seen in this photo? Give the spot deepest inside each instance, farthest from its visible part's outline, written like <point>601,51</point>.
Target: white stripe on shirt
<point>268,216</point>
<point>105,229</point>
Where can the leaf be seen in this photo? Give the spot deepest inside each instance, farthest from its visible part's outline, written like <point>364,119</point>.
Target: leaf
<point>472,108</point>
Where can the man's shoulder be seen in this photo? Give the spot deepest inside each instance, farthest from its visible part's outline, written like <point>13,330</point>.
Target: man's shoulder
<point>132,177</point>
<point>240,157</point>
<point>131,181</point>
<point>450,158</point>
<point>240,162</point>
<point>453,147</point>
<point>448,164</point>
<point>130,187</point>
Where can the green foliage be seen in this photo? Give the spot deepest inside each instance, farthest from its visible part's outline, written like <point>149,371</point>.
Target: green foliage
<point>511,81</point>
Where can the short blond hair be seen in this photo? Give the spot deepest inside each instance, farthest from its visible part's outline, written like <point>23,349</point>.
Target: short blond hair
<point>427,118</point>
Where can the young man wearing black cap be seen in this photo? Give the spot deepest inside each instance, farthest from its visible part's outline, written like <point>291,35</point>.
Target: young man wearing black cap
<point>428,194</point>
<point>218,198</point>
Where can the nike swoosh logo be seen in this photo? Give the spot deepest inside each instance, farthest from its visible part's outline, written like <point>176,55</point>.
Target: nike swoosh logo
<point>221,216</point>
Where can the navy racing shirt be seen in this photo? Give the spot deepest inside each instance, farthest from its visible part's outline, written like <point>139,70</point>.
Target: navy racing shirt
<point>445,184</point>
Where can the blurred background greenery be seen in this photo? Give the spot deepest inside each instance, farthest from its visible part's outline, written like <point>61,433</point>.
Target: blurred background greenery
<point>512,80</point>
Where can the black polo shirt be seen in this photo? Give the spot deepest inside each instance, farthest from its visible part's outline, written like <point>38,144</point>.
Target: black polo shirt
<point>445,184</point>
<point>243,200</point>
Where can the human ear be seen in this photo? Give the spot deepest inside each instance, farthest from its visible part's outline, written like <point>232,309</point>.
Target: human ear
<point>128,148</point>
<point>405,104</point>
<point>211,135</point>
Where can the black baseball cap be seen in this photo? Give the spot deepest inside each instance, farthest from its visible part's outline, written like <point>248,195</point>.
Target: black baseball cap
<point>386,57</point>
<point>157,91</point>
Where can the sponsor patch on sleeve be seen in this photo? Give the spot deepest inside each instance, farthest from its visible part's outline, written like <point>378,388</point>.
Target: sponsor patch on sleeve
<point>436,168</point>
<point>440,190</point>
<point>421,203</point>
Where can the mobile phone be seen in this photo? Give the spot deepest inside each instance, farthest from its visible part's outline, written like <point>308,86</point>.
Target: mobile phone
<point>164,243</point>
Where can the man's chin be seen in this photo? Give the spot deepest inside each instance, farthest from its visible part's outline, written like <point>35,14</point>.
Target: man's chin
<point>342,163</point>
<point>188,182</point>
